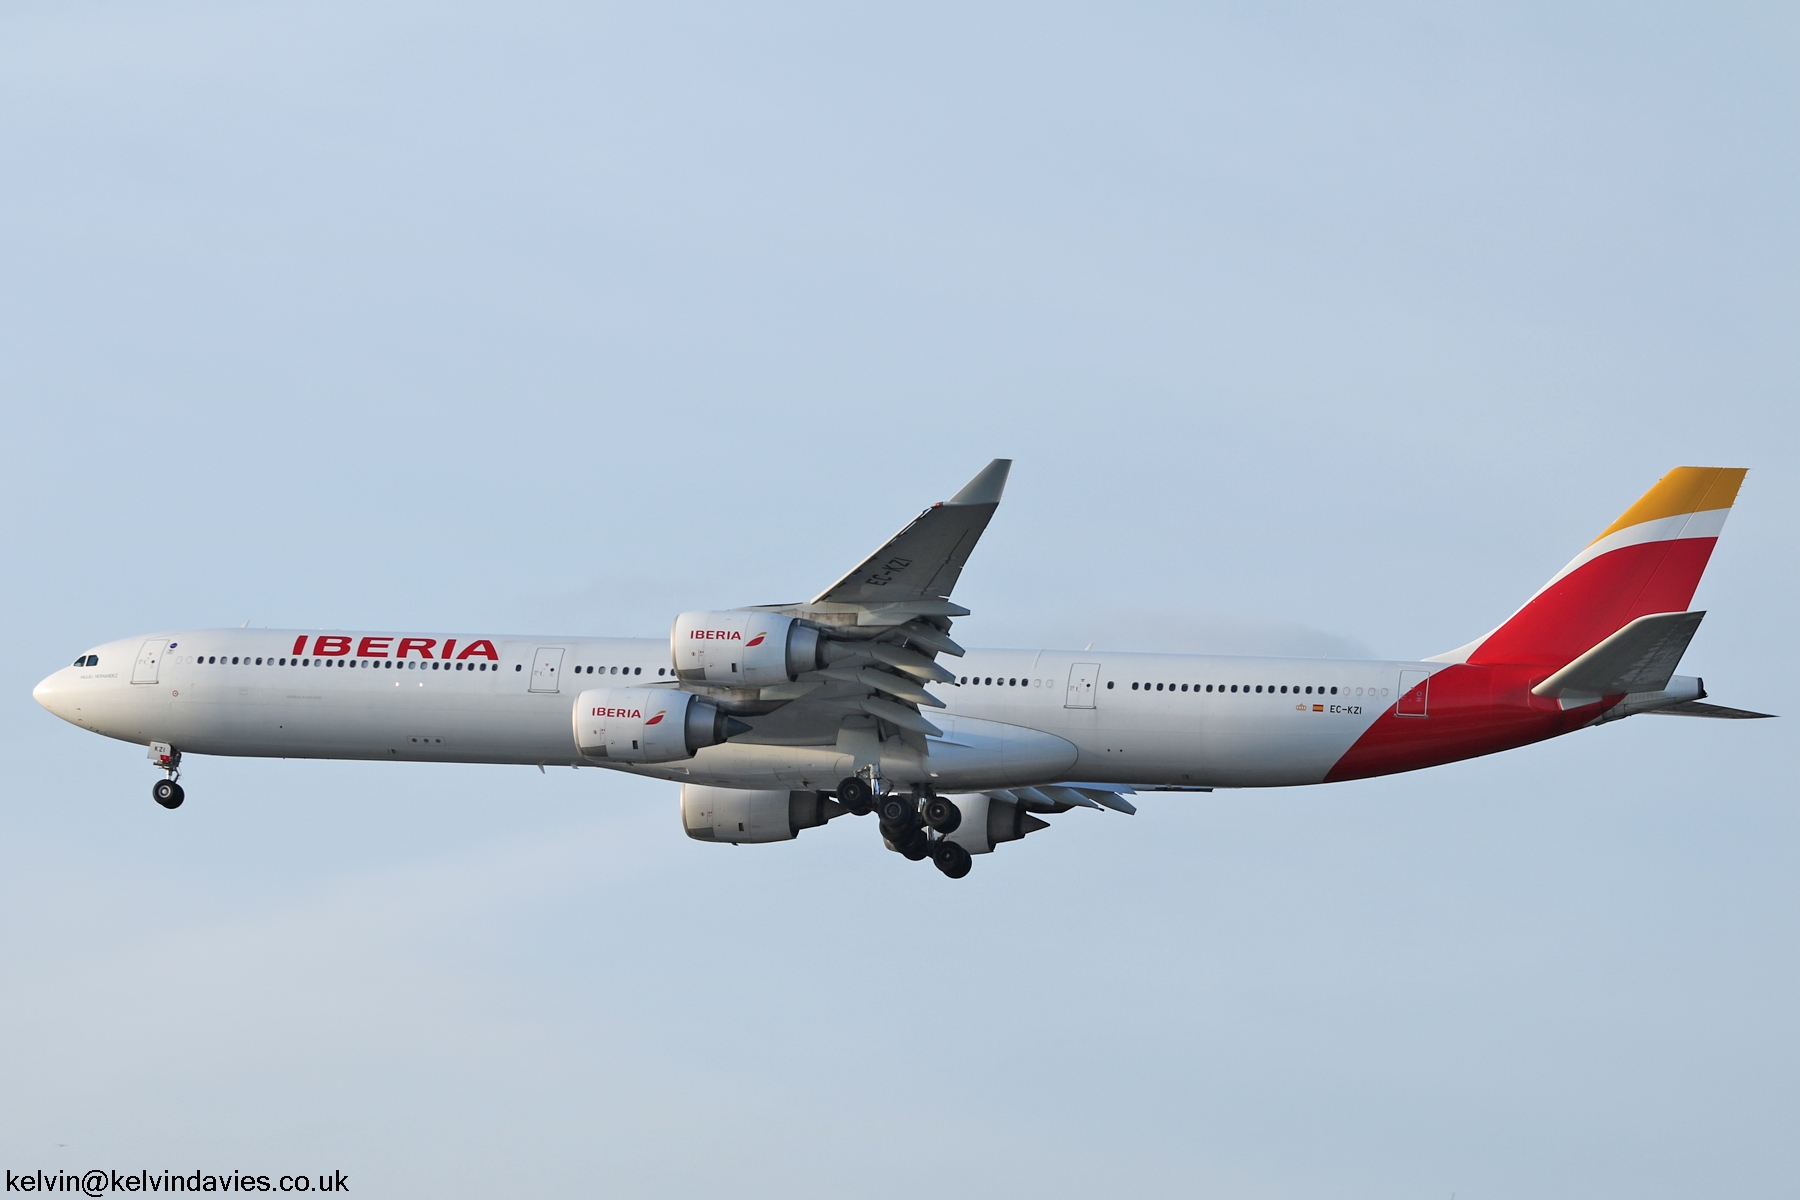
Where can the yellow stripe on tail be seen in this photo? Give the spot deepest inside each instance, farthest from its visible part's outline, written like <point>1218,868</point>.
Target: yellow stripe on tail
<point>1682,491</point>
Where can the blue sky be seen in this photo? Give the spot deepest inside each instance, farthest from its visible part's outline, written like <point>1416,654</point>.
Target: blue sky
<point>1311,330</point>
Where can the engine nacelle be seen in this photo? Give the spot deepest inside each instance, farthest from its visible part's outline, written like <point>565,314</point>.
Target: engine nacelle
<point>648,725</point>
<point>986,823</point>
<point>737,815</point>
<point>743,648</point>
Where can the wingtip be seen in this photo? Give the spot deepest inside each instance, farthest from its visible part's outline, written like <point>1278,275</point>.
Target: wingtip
<point>987,485</point>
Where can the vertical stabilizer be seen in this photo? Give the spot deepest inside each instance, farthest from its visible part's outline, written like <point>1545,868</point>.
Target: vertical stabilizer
<point>1648,561</point>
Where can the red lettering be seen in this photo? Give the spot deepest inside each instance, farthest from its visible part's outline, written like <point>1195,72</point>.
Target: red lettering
<point>483,647</point>
<point>330,647</point>
<point>721,635</point>
<point>422,645</point>
<point>448,647</point>
<point>372,647</point>
<point>618,712</point>
<point>300,644</point>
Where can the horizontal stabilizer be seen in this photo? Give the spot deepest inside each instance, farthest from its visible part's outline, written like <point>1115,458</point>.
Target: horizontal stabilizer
<point>1641,657</point>
<point>1694,708</point>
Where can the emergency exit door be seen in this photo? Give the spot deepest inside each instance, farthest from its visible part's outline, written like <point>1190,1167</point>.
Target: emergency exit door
<point>546,669</point>
<point>1414,686</point>
<point>1082,678</point>
<point>149,660</point>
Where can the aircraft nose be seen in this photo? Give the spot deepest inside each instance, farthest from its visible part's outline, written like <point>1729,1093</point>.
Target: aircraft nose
<point>48,694</point>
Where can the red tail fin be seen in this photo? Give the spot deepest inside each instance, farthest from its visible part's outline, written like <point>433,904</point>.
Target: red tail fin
<point>1648,561</point>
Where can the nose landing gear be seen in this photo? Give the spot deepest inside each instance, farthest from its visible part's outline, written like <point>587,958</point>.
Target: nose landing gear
<point>167,792</point>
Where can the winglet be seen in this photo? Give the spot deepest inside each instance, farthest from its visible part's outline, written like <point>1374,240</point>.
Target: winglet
<point>986,487</point>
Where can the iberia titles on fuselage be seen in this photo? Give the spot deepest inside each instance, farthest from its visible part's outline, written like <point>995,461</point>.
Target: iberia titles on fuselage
<point>779,719</point>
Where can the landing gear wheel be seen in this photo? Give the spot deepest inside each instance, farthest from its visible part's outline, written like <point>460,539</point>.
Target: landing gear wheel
<point>916,848</point>
<point>942,815</point>
<point>951,859</point>
<point>168,793</point>
<point>855,795</point>
<point>898,810</point>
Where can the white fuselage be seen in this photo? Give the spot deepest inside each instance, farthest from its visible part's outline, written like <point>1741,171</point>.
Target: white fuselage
<point>1139,719</point>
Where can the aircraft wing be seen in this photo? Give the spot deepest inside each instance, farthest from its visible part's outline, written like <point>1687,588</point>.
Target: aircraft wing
<point>924,560</point>
<point>888,620</point>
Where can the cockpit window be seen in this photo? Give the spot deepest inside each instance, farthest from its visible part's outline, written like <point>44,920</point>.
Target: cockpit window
<point>88,660</point>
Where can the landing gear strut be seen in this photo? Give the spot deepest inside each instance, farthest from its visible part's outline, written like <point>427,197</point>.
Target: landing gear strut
<point>167,792</point>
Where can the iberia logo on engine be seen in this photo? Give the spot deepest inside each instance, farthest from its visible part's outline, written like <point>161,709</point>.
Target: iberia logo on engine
<point>718,635</point>
<point>623,712</point>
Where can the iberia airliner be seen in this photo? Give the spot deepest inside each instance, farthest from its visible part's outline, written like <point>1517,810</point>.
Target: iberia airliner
<point>780,718</point>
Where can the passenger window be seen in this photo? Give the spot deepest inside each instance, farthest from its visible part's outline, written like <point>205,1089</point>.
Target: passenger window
<point>637,671</point>
<point>1134,687</point>
<point>1109,684</point>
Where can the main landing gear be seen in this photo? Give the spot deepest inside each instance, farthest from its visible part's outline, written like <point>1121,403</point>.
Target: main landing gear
<point>916,826</point>
<point>167,792</point>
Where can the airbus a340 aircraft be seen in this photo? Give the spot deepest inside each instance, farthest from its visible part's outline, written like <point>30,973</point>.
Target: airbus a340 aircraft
<point>779,718</point>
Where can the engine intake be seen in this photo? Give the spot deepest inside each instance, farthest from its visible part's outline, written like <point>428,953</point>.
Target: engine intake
<point>744,648</point>
<point>649,725</point>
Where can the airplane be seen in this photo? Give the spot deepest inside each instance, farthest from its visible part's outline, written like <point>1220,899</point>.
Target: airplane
<point>775,719</point>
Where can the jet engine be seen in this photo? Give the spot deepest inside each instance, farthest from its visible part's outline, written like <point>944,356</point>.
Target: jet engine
<point>744,648</point>
<point>987,822</point>
<point>648,725</point>
<point>736,815</point>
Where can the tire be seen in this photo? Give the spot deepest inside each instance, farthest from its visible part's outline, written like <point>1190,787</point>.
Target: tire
<point>168,793</point>
<point>942,815</point>
<point>898,811</point>
<point>916,848</point>
<point>951,859</point>
<point>854,795</point>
